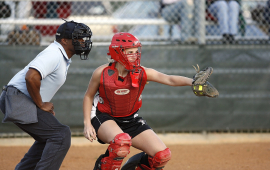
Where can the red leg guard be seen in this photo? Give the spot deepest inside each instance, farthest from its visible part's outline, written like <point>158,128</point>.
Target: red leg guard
<point>118,150</point>
<point>160,159</point>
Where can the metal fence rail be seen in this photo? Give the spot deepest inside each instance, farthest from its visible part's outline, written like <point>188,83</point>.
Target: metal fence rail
<point>147,19</point>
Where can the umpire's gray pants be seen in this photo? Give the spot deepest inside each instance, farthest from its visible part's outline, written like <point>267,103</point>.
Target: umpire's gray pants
<point>52,143</point>
<point>53,140</point>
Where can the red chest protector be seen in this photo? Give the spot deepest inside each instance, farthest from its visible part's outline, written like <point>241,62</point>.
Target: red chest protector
<point>117,98</point>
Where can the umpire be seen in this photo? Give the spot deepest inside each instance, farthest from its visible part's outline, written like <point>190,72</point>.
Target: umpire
<point>25,100</point>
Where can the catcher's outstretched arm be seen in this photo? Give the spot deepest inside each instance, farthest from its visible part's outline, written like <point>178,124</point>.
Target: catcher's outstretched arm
<point>171,80</point>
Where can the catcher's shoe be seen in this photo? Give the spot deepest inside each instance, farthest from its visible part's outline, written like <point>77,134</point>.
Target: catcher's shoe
<point>133,162</point>
<point>98,162</point>
<point>202,76</point>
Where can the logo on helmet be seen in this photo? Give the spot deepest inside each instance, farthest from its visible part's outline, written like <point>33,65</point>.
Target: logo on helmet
<point>136,42</point>
<point>121,91</point>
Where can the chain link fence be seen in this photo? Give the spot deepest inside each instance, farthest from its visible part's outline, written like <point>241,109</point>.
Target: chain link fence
<point>25,22</point>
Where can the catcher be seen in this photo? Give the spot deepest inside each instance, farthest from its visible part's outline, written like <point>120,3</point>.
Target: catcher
<point>112,115</point>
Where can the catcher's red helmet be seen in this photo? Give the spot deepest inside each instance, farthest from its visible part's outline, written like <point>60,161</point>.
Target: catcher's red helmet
<point>119,43</point>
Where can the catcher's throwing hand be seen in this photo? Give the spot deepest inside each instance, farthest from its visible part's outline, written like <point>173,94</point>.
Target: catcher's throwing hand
<point>200,85</point>
<point>89,132</point>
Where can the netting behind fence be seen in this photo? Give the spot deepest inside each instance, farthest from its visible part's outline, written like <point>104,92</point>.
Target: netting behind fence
<point>28,22</point>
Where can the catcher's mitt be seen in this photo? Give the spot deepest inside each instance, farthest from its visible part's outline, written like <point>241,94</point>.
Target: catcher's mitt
<point>200,85</point>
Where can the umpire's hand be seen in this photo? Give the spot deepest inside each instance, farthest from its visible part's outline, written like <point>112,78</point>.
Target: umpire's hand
<point>47,107</point>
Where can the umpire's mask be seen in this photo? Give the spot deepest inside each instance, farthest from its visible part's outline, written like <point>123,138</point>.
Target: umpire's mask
<point>76,31</point>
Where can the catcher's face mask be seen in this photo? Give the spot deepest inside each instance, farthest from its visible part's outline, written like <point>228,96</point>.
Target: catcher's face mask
<point>120,51</point>
<point>132,56</point>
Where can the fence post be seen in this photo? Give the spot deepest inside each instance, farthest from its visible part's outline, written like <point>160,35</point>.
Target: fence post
<point>199,16</point>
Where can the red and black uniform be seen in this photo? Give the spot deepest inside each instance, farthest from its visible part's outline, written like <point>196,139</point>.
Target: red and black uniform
<point>120,101</point>
<point>120,98</point>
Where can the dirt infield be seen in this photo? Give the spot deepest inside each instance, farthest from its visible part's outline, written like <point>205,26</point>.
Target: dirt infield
<point>197,156</point>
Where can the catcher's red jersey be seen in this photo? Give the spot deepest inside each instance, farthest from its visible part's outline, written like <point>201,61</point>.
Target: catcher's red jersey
<point>119,98</point>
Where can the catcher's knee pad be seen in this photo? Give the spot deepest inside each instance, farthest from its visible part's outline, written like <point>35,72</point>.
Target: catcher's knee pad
<point>160,159</point>
<point>118,150</point>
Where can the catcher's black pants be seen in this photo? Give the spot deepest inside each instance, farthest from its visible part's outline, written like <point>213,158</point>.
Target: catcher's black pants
<point>53,141</point>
